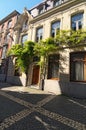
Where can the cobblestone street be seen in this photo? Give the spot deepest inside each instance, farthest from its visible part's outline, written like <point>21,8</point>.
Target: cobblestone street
<point>38,110</point>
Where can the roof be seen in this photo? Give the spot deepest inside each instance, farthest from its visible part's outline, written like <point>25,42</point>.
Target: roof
<point>9,16</point>
<point>38,5</point>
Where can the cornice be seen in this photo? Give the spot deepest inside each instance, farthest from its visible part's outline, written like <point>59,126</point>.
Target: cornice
<point>57,9</point>
<point>9,16</point>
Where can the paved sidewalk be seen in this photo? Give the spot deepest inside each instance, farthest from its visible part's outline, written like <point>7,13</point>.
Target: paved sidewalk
<point>21,89</point>
<point>30,109</point>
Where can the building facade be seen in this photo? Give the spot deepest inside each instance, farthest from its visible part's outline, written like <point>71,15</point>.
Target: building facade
<point>70,77</point>
<point>6,41</point>
<point>66,71</point>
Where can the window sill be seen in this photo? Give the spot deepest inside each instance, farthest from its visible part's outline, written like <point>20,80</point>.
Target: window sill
<point>54,79</point>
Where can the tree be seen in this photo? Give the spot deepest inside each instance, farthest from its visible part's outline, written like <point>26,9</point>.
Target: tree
<point>43,49</point>
<point>70,38</point>
<point>64,39</point>
<point>24,56</point>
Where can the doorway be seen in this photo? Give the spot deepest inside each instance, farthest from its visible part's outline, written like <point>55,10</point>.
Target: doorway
<point>35,76</point>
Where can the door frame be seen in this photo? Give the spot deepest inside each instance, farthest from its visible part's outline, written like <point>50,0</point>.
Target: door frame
<point>35,74</point>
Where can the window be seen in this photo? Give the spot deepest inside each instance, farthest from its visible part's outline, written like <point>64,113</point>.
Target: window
<point>24,38</point>
<point>54,28</point>
<point>39,34</point>
<point>78,66</point>
<point>53,66</point>
<point>57,2</point>
<point>36,59</point>
<point>77,21</point>
<point>41,10</point>
<point>0,38</point>
<point>4,52</point>
<point>25,26</point>
<point>9,24</point>
<point>2,28</point>
<point>7,38</point>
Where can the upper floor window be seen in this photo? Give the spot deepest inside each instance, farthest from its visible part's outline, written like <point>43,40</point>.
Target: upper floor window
<point>2,28</point>
<point>41,10</point>
<point>77,21</point>
<point>25,25</point>
<point>24,38</point>
<point>39,34</point>
<point>54,28</point>
<point>7,38</point>
<point>57,2</point>
<point>9,24</point>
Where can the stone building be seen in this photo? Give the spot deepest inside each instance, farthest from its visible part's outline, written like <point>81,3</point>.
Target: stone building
<point>66,71</point>
<point>6,41</point>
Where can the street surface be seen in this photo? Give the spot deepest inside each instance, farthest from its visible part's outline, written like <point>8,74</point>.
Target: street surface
<point>30,109</point>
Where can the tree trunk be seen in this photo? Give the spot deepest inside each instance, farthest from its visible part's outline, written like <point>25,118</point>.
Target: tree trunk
<point>27,78</point>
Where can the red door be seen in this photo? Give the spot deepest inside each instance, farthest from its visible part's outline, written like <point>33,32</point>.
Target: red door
<point>35,77</point>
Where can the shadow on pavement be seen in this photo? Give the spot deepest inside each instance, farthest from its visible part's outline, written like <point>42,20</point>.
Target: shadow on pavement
<point>4,85</point>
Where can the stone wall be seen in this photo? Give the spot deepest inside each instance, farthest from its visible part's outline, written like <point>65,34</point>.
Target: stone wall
<point>72,89</point>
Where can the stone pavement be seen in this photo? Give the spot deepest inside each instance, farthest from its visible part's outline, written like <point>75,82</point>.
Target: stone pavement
<point>21,89</point>
<point>30,109</point>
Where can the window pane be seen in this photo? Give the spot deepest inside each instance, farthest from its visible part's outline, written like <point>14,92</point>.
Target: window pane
<point>24,38</point>
<point>79,74</point>
<point>10,24</point>
<point>77,21</point>
<point>39,34</point>
<point>80,24</point>
<point>41,10</point>
<point>74,26</point>
<point>77,66</point>
<point>54,28</point>
<point>53,67</point>
<point>25,25</point>
<point>4,52</point>
<point>2,29</point>
<point>56,2</point>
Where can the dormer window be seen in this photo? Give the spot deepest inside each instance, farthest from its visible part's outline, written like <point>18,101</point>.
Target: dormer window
<point>41,10</point>
<point>57,2</point>
<point>42,7</point>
